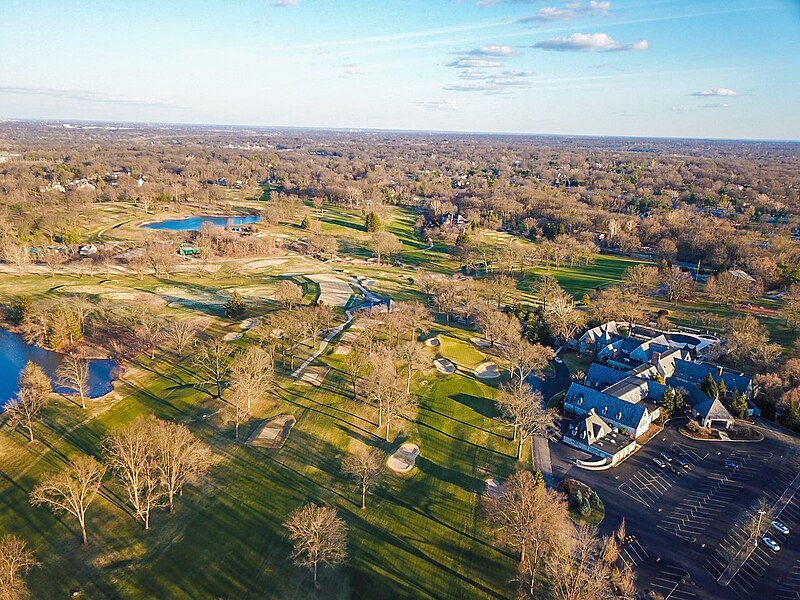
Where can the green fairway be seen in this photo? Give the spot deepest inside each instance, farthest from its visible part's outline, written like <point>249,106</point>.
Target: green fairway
<point>422,534</point>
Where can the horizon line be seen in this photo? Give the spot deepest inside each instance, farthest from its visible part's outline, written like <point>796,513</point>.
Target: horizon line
<point>67,121</point>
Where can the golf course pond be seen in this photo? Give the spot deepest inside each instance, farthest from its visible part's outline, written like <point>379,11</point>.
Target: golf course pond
<point>196,222</point>
<point>16,352</point>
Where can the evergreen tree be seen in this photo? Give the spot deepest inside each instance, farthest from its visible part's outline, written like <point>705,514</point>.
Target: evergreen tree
<point>709,387</point>
<point>305,223</point>
<point>234,307</point>
<point>738,405</point>
<point>373,222</point>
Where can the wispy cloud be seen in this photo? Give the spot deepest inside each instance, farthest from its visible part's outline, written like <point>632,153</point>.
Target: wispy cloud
<point>438,105</point>
<point>716,105</point>
<point>493,84</point>
<point>85,96</point>
<point>352,69</point>
<point>568,12</point>
<point>283,3</point>
<point>588,42</point>
<point>726,92</point>
<point>470,62</point>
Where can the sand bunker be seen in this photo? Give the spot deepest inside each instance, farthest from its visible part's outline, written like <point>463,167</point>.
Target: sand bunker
<point>480,343</point>
<point>366,323</point>
<point>332,290</point>
<point>249,323</point>
<point>342,350</point>
<point>434,341</point>
<point>349,337</point>
<point>494,488</point>
<point>444,366</point>
<point>313,376</point>
<point>232,336</point>
<point>487,370</point>
<point>273,433</point>
<point>402,461</point>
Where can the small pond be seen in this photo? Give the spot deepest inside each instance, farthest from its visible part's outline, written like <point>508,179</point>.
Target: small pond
<point>15,353</point>
<point>195,223</point>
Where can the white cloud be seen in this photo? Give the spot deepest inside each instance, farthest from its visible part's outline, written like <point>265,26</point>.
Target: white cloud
<point>284,3</point>
<point>86,96</point>
<point>716,105</point>
<point>727,92</point>
<point>588,42</point>
<point>475,63</point>
<point>493,50</point>
<point>570,11</point>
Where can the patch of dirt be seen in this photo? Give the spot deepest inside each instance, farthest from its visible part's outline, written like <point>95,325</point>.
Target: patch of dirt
<point>342,350</point>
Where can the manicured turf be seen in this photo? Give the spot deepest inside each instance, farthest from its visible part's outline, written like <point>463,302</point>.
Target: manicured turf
<point>422,535</point>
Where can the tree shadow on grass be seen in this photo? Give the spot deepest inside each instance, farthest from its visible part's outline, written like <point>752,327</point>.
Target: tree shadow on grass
<point>482,406</point>
<point>384,535</point>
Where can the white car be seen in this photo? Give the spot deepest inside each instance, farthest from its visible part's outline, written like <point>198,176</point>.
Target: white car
<point>770,543</point>
<point>781,527</point>
<point>558,360</point>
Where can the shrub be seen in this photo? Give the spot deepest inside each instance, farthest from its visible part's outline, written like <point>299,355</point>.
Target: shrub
<point>234,307</point>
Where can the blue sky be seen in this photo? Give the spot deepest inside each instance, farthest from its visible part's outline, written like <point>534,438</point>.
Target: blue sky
<point>694,68</point>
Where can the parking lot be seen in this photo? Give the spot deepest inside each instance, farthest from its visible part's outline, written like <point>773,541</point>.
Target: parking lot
<point>686,526</point>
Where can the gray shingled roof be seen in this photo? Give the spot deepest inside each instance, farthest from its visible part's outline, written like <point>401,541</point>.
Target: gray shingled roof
<point>607,407</point>
<point>695,372</point>
<point>713,409</point>
<point>603,376</point>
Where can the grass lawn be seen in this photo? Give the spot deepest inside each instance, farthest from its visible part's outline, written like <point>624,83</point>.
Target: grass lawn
<point>421,536</point>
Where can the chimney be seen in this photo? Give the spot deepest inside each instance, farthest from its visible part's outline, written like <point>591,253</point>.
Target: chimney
<point>719,370</point>
<point>655,357</point>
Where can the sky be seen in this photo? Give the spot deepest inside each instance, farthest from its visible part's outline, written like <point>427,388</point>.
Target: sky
<point>667,68</point>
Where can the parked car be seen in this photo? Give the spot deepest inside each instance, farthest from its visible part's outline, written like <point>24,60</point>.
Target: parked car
<point>677,451</point>
<point>683,462</point>
<point>666,456</point>
<point>780,527</point>
<point>770,543</point>
<point>731,465</point>
<point>558,360</point>
<point>674,469</point>
<point>661,464</point>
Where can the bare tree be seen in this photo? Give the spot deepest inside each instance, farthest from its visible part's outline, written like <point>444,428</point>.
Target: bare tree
<point>397,403</point>
<point>26,407</point>
<point>412,355</point>
<point>563,318</point>
<point>640,278</point>
<point>182,335</point>
<point>679,285</point>
<point>531,519</point>
<point>73,373</point>
<point>134,457</point>
<point>523,408</point>
<point>72,490</point>
<point>384,244</point>
<point>319,537</point>
<point>151,332</point>
<point>524,358</point>
<point>497,289</point>
<point>493,325</point>
<point>15,562</point>
<point>365,466</point>
<point>579,572</point>
<point>289,293</point>
<point>357,363</point>
<point>381,383</point>
<point>179,455</point>
<point>212,359</point>
<point>412,317</point>
<point>252,373</point>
